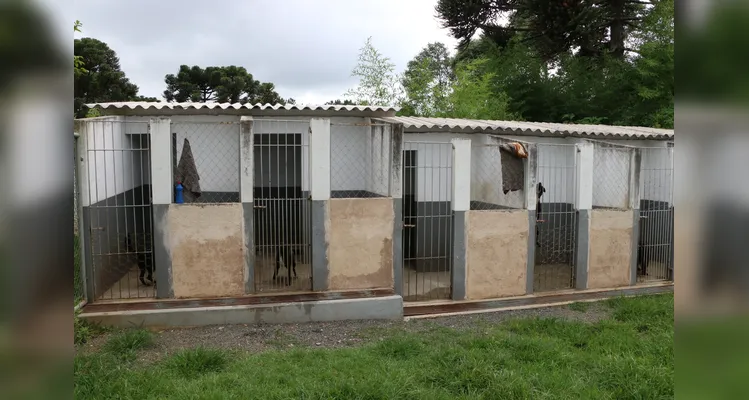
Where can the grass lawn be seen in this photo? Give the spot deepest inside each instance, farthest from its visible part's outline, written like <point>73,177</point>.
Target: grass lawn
<point>626,355</point>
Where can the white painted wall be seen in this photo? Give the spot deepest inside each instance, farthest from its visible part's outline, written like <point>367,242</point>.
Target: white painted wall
<point>112,166</point>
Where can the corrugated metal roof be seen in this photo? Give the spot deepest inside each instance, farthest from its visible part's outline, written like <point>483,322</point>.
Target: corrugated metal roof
<point>141,105</point>
<point>419,124</point>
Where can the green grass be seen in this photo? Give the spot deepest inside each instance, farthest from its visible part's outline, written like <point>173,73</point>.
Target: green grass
<point>580,306</point>
<point>125,344</point>
<point>627,356</point>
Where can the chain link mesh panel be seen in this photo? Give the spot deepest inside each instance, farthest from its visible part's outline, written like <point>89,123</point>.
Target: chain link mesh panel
<point>611,176</point>
<point>205,158</point>
<point>360,158</point>
<point>498,175</point>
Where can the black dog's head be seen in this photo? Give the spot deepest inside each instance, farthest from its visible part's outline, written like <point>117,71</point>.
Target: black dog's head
<point>540,189</point>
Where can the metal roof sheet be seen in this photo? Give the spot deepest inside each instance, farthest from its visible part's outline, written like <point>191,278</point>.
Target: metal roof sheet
<point>420,124</point>
<point>141,105</point>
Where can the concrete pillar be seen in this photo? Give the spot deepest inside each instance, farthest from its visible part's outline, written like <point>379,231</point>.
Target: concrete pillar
<point>84,222</point>
<point>531,172</point>
<point>319,156</point>
<point>461,203</point>
<point>161,194</point>
<point>634,204</point>
<point>246,193</point>
<point>396,192</point>
<point>583,203</point>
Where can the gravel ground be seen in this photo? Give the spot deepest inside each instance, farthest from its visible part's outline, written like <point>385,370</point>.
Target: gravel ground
<point>258,338</point>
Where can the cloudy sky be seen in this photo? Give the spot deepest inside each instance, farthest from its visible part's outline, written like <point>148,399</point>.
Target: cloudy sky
<point>307,48</point>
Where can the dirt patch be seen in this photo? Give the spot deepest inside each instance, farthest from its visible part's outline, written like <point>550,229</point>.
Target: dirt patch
<point>264,337</point>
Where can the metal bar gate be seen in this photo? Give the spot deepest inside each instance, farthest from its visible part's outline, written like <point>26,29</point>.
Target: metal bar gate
<point>282,217</point>
<point>117,213</point>
<point>655,248</point>
<point>556,217</point>
<point>427,221</point>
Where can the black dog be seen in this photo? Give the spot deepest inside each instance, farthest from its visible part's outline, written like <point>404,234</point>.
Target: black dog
<point>144,257</point>
<point>642,260</point>
<point>540,190</point>
<point>285,255</point>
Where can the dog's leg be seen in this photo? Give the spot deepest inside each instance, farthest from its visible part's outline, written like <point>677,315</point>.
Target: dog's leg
<point>142,275</point>
<point>278,262</point>
<point>288,274</point>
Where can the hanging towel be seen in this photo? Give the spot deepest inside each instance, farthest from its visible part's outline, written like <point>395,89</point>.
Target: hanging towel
<point>513,174</point>
<point>187,174</point>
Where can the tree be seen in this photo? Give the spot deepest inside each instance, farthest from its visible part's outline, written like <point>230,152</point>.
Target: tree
<point>378,83</point>
<point>78,64</point>
<point>338,102</point>
<point>593,28</point>
<point>471,95</point>
<point>230,84</point>
<point>102,80</point>
<point>427,81</point>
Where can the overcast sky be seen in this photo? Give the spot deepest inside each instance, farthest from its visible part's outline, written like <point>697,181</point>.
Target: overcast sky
<point>306,48</point>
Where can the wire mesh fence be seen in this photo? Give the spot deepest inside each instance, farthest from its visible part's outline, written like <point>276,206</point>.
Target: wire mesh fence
<point>556,217</point>
<point>611,175</point>
<point>205,158</point>
<point>360,160</point>
<point>282,215</point>
<point>427,221</point>
<point>498,174</point>
<point>118,207</point>
<point>655,250</point>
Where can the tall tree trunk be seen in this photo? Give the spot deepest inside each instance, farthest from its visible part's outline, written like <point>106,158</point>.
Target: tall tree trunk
<point>618,24</point>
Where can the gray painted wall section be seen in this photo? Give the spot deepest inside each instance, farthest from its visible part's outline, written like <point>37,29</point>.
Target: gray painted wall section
<point>319,245</point>
<point>635,246</point>
<point>84,232</point>
<point>458,270</point>
<point>398,246</point>
<point>161,252</point>
<point>582,249</point>
<point>248,214</point>
<point>531,252</point>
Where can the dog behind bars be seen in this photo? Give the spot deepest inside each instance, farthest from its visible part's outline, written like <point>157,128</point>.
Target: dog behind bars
<point>142,248</point>
<point>285,257</point>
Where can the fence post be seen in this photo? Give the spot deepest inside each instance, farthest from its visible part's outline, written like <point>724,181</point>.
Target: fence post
<point>584,203</point>
<point>246,197</point>
<point>83,200</point>
<point>461,203</point>
<point>531,172</point>
<point>634,205</point>
<point>396,192</point>
<point>319,159</point>
<point>161,192</point>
